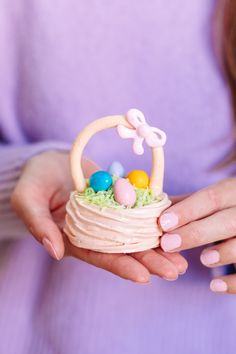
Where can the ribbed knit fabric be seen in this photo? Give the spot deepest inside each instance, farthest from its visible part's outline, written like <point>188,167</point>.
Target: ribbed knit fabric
<point>62,64</point>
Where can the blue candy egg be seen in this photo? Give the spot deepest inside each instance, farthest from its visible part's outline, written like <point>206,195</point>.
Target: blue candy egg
<point>100,181</point>
<point>117,169</point>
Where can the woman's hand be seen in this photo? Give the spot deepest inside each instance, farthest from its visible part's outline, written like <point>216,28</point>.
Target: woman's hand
<point>205,217</point>
<point>40,198</point>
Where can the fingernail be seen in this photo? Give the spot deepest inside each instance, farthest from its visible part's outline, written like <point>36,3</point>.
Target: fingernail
<point>210,257</point>
<point>142,281</point>
<point>170,278</point>
<point>170,242</point>
<point>168,221</point>
<point>49,248</point>
<point>218,285</point>
<point>182,272</point>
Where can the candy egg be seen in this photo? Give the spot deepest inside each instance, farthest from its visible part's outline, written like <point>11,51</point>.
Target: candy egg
<point>100,181</point>
<point>138,178</point>
<point>116,169</point>
<point>124,192</point>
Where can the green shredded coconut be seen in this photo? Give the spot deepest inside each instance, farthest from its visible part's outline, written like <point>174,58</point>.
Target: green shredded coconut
<point>144,197</point>
<point>101,198</point>
<point>107,199</point>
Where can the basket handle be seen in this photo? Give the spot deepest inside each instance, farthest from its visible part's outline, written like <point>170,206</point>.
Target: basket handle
<point>157,174</point>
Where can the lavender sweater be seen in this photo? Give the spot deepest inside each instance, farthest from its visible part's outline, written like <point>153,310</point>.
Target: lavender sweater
<point>63,64</point>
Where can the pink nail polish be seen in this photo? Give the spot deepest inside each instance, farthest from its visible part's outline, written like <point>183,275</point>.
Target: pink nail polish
<point>170,242</point>
<point>49,248</point>
<point>170,279</point>
<point>168,221</point>
<point>218,285</point>
<point>210,257</point>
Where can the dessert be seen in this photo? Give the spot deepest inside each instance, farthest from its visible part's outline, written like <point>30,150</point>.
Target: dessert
<point>114,212</point>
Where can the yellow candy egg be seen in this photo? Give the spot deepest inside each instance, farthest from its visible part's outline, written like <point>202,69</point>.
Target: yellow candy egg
<point>138,178</point>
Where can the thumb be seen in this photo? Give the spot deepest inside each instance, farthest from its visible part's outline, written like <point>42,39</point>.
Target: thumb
<point>33,209</point>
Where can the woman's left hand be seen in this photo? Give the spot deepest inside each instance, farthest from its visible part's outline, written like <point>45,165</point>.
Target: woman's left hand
<point>205,217</point>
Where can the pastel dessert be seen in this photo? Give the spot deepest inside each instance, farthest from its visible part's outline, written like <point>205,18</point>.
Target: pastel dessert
<point>115,212</point>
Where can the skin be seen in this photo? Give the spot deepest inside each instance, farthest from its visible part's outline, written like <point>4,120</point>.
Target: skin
<point>39,199</point>
<point>203,218</point>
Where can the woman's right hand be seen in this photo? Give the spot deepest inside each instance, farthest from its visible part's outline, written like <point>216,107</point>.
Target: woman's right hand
<point>39,199</point>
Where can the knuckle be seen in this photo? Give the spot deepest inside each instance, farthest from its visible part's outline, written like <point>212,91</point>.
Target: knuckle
<point>230,226</point>
<point>214,196</point>
<point>194,233</point>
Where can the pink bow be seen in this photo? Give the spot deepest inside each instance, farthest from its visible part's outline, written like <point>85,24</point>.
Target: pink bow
<point>141,131</point>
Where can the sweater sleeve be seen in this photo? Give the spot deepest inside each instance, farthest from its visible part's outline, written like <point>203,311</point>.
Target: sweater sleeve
<point>12,159</point>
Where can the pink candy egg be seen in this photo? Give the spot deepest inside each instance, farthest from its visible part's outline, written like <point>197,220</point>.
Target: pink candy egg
<point>124,192</point>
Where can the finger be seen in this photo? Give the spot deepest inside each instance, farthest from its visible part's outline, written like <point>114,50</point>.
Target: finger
<point>119,264</point>
<point>177,259</point>
<point>157,264</point>
<point>199,205</point>
<point>58,216</point>
<point>224,285</point>
<point>221,225</point>
<point>35,213</point>
<point>219,255</point>
<point>178,198</point>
